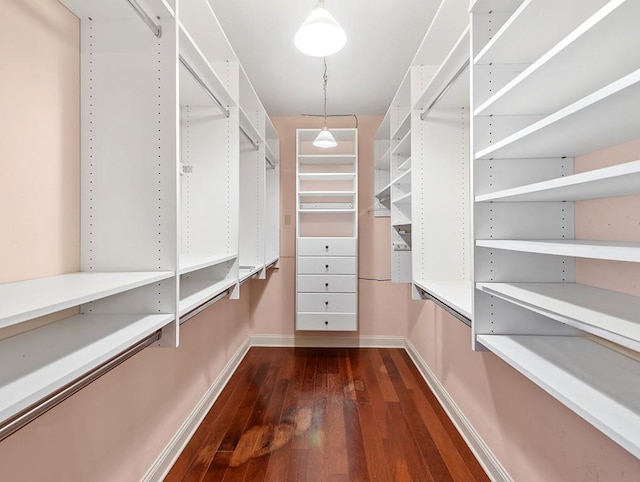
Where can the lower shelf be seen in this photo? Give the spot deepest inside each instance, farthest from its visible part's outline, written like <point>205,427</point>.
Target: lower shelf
<point>595,382</point>
<point>39,362</point>
<point>457,294</point>
<point>326,321</point>
<point>195,292</point>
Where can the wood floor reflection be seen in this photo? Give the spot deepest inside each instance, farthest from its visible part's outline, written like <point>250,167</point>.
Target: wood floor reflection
<point>307,414</point>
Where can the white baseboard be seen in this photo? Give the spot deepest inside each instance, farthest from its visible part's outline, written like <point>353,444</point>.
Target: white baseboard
<point>328,341</point>
<point>489,462</point>
<point>166,459</point>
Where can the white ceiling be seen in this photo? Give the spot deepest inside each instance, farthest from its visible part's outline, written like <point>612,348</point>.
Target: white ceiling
<point>383,36</point>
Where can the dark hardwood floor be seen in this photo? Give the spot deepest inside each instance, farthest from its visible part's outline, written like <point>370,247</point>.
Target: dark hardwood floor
<point>307,414</point>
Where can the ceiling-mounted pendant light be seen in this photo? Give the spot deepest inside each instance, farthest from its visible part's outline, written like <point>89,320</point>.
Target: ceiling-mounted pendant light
<point>320,35</point>
<point>325,139</point>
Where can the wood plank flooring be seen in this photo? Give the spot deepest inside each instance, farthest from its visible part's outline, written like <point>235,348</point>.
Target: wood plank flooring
<point>324,414</point>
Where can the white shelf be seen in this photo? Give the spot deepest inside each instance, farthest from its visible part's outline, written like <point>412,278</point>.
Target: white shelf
<point>195,292</point>
<point>578,128</point>
<point>326,193</point>
<point>190,263</point>
<point>597,383</point>
<point>402,225</point>
<point>384,193</point>
<point>326,211</point>
<point>591,44</point>
<point>457,294</point>
<point>608,314</point>
<point>28,299</point>
<point>609,250</point>
<point>619,180</point>
<point>404,178</point>
<point>246,273</point>
<point>403,148</point>
<point>405,165</point>
<point>318,176</point>
<point>484,6</point>
<point>326,158</point>
<point>403,127</point>
<point>36,363</point>
<point>512,43</point>
<point>99,9</point>
<point>384,161</point>
<point>456,94</point>
<point>404,199</point>
<point>194,57</point>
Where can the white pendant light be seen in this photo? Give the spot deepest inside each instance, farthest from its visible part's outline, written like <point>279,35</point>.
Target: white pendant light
<point>320,35</point>
<point>325,139</point>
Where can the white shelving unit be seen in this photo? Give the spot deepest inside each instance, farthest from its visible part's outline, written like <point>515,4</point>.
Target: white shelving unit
<point>272,188</point>
<point>539,101</point>
<point>327,232</point>
<point>440,165</point>
<point>163,99</point>
<point>382,171</point>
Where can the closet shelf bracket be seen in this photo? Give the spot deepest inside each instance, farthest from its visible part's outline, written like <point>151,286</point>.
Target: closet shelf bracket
<point>155,28</point>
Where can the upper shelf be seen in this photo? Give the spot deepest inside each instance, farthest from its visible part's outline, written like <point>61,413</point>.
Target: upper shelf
<point>196,292</point>
<point>596,382</point>
<point>403,147</point>
<point>328,176</point>
<point>484,6</point>
<point>403,127</point>
<point>326,158</point>
<point>449,87</point>
<point>23,300</point>
<point>189,263</point>
<point>619,180</point>
<point>537,89</point>
<point>99,9</point>
<point>579,127</point>
<point>608,314</point>
<point>512,43</point>
<point>609,250</point>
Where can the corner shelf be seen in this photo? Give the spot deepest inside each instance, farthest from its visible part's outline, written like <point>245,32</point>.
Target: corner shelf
<point>597,383</point>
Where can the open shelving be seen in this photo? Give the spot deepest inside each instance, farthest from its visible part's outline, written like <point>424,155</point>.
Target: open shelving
<point>164,104</point>
<point>326,232</point>
<point>540,102</point>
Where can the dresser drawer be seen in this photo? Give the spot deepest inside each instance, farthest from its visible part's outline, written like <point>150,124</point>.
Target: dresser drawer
<point>328,302</point>
<point>327,322</point>
<point>326,265</point>
<point>342,283</point>
<point>327,246</point>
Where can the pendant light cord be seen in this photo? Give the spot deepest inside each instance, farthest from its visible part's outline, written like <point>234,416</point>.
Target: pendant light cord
<point>324,89</point>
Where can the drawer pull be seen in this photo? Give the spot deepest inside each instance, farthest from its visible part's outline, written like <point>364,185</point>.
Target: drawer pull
<point>326,266</point>
<point>326,323</point>
<point>326,303</point>
<point>326,247</point>
<point>326,285</point>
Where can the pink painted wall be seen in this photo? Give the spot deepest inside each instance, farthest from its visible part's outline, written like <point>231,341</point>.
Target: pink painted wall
<point>382,305</point>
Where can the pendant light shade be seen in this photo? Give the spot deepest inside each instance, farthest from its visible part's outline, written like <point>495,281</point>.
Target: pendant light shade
<point>320,35</point>
<point>325,139</point>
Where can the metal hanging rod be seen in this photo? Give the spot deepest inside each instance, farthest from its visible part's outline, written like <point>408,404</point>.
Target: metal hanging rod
<point>204,306</point>
<point>206,88</point>
<point>253,143</point>
<point>273,166</point>
<point>446,88</point>
<point>32,412</point>
<point>155,28</point>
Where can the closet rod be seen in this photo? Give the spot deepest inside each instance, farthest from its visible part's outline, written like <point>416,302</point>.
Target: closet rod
<point>446,88</point>
<point>444,306</point>
<point>155,28</point>
<point>197,78</point>
<point>204,306</point>
<point>253,143</point>
<point>19,420</point>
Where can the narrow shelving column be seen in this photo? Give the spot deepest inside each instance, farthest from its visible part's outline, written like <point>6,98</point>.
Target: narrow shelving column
<point>327,232</point>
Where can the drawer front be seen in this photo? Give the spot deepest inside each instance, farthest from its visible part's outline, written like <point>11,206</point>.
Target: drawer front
<point>343,283</point>
<point>327,246</point>
<point>326,265</point>
<point>327,322</point>
<point>327,302</point>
